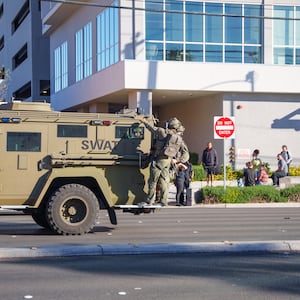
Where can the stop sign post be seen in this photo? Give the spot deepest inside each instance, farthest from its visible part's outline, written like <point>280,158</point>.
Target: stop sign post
<point>224,128</point>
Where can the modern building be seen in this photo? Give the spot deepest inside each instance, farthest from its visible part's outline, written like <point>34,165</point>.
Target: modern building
<point>24,52</point>
<point>192,59</point>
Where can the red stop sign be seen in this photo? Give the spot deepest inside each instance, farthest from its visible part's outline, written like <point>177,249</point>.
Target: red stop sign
<point>224,127</point>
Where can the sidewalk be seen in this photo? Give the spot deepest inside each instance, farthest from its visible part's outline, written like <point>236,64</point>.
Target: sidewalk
<point>286,247</point>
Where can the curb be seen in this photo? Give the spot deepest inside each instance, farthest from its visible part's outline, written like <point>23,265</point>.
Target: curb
<point>144,249</point>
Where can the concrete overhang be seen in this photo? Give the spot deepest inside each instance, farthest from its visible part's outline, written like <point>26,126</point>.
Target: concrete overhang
<point>174,81</point>
<point>58,14</point>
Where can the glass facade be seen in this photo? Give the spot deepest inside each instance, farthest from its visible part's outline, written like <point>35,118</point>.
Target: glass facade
<point>108,37</point>
<point>286,35</point>
<point>61,67</point>
<point>107,48</point>
<point>203,31</point>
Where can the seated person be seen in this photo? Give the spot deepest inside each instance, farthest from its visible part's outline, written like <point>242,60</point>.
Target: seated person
<point>263,175</point>
<point>282,170</point>
<point>249,174</point>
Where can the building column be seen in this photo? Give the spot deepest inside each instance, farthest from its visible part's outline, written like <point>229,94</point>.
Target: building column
<point>140,101</point>
<point>98,107</point>
<point>268,33</point>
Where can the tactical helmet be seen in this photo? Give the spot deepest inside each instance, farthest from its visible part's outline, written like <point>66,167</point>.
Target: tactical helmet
<point>180,129</point>
<point>174,123</point>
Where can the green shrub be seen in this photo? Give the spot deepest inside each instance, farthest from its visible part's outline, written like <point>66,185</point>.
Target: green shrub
<point>194,158</point>
<point>294,171</point>
<point>199,173</point>
<point>230,173</point>
<point>291,191</point>
<point>259,193</point>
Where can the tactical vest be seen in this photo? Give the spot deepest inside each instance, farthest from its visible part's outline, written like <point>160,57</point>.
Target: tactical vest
<point>172,144</point>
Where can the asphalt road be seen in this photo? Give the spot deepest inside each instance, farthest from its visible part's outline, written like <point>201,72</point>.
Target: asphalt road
<point>149,277</point>
<point>168,225</point>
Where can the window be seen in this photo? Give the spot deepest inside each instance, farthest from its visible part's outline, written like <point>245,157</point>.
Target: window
<point>1,10</point>
<point>154,20</point>
<point>174,21</point>
<point>83,40</point>
<point>22,14</point>
<point>108,37</point>
<point>133,132</point>
<point>194,22</point>
<point>61,67</point>
<point>203,31</point>
<point>87,50</point>
<point>72,131</point>
<point>213,22</point>
<point>233,23</point>
<point>24,141</point>
<point>44,87</point>
<point>20,56</point>
<point>154,51</point>
<point>286,36</point>
<point>23,93</point>
<point>1,43</point>
<point>252,34</point>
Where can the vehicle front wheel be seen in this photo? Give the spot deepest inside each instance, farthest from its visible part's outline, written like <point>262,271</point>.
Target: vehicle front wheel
<point>72,209</point>
<point>39,217</point>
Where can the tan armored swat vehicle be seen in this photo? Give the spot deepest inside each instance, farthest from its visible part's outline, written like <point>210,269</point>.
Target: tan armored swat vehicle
<point>62,167</point>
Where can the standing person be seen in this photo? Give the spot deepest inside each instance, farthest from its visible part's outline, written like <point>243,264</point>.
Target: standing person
<point>209,162</point>
<point>249,174</point>
<point>281,171</point>
<point>286,155</point>
<point>256,161</point>
<point>182,181</point>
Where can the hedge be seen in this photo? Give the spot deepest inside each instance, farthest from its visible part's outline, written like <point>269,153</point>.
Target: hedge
<point>232,174</point>
<point>253,194</point>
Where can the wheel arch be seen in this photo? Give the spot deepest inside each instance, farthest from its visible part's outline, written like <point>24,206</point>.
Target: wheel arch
<point>89,182</point>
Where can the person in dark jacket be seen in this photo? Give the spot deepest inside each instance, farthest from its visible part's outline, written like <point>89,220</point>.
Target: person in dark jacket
<point>184,175</point>
<point>209,162</point>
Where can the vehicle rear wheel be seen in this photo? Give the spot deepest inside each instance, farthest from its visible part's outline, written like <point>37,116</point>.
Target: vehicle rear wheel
<point>72,209</point>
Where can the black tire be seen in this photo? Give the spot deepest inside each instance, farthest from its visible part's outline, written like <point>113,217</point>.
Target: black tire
<point>39,217</point>
<point>72,209</point>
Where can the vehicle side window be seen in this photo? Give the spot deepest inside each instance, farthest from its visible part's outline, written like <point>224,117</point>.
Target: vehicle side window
<point>132,132</point>
<point>24,141</point>
<point>72,131</point>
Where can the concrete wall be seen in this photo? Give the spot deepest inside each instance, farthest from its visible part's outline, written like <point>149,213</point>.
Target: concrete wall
<point>264,122</point>
<point>197,117</point>
<point>261,122</point>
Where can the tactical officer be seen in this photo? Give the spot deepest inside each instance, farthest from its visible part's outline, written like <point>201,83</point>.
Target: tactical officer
<point>161,162</point>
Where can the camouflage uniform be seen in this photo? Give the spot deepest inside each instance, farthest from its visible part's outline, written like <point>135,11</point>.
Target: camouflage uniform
<point>160,165</point>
